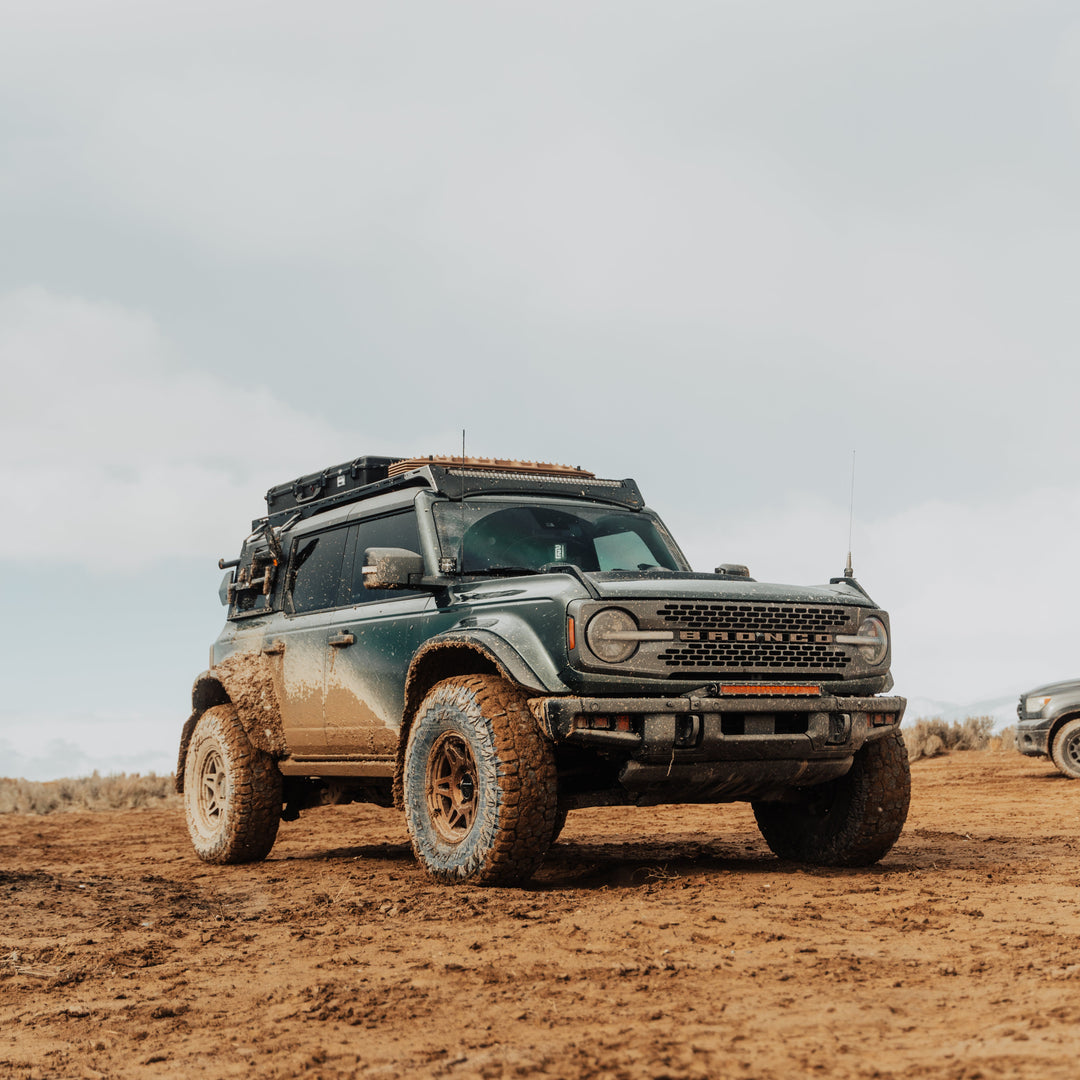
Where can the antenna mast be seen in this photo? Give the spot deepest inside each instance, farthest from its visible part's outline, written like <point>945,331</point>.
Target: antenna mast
<point>848,571</point>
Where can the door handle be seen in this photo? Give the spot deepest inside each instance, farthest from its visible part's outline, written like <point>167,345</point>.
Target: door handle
<point>275,649</point>
<point>341,640</point>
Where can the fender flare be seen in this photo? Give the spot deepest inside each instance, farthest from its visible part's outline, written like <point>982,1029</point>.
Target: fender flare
<point>245,681</point>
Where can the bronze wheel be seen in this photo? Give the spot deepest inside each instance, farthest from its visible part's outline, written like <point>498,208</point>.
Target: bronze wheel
<point>451,787</point>
<point>210,787</point>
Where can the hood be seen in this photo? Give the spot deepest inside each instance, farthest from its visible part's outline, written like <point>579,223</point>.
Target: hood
<point>1050,689</point>
<point>646,585</point>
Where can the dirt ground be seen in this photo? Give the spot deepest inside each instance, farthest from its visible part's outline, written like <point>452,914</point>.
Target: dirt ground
<point>654,943</point>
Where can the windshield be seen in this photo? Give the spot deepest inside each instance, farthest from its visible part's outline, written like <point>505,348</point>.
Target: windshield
<point>500,535</point>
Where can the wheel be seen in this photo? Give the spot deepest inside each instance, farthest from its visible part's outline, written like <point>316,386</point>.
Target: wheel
<point>232,792</point>
<point>479,784</point>
<point>1066,749</point>
<point>851,821</point>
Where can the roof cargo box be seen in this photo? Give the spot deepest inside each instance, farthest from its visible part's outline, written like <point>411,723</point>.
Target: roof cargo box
<point>338,480</point>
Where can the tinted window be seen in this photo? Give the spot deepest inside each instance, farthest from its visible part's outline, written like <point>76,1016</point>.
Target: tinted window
<point>315,572</point>
<point>397,531</point>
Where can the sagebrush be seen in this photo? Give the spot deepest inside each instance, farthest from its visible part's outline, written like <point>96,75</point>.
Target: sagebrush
<point>930,738</point>
<point>119,791</point>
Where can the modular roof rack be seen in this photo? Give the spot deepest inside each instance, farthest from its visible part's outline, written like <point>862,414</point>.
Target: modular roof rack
<point>364,477</point>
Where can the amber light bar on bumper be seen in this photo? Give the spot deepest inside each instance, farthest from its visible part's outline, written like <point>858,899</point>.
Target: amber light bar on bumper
<point>769,690</point>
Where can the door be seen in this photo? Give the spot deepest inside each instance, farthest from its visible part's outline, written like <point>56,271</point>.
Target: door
<point>365,677</point>
<point>313,588</point>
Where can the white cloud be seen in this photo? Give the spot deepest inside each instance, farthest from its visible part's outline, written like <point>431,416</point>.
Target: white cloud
<point>116,454</point>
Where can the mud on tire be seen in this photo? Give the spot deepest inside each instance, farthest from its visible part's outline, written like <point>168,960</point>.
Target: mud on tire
<point>1065,751</point>
<point>851,821</point>
<point>480,786</point>
<point>232,792</point>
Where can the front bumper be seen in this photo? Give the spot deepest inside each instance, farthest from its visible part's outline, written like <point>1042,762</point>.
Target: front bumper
<point>710,749</point>
<point>1033,736</point>
<point>721,729</point>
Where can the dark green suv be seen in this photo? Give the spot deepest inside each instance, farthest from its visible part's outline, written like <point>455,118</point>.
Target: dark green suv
<point>488,645</point>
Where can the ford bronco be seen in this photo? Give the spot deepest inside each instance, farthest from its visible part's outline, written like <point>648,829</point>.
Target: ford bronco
<point>488,645</point>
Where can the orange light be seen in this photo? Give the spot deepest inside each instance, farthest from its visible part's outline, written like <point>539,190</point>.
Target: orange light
<point>570,632</point>
<point>770,690</point>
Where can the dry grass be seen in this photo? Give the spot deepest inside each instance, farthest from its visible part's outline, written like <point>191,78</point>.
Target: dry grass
<point>931,738</point>
<point>117,792</point>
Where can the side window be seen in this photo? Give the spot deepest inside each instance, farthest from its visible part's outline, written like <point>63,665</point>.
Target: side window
<point>396,530</point>
<point>315,572</point>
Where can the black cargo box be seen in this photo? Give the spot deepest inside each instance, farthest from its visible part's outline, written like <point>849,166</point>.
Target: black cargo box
<point>338,480</point>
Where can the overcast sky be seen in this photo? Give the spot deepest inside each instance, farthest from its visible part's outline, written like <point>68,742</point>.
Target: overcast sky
<point>715,246</point>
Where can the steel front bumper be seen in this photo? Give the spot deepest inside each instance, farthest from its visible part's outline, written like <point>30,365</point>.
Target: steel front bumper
<point>730,747</point>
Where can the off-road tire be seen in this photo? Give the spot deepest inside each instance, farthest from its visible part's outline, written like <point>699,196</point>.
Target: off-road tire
<point>479,784</point>
<point>232,792</point>
<point>851,821</point>
<point>1066,749</point>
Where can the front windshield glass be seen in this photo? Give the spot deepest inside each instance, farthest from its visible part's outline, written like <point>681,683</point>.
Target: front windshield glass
<point>492,535</point>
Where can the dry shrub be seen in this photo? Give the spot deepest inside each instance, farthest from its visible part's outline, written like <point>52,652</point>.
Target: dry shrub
<point>1005,739</point>
<point>930,738</point>
<point>117,792</point>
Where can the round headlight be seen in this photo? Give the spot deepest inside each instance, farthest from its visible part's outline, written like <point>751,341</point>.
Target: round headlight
<point>611,635</point>
<point>873,628</point>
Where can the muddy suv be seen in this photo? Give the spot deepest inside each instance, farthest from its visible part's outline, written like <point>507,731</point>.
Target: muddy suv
<point>1048,725</point>
<point>488,645</point>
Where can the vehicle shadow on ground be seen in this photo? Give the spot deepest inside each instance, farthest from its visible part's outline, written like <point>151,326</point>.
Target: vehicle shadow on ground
<point>585,865</point>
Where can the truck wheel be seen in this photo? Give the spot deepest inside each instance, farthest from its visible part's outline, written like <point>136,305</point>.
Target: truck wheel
<point>479,783</point>
<point>232,792</point>
<point>1066,749</point>
<point>851,821</point>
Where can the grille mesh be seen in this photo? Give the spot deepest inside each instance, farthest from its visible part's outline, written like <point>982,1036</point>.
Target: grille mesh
<point>758,619</point>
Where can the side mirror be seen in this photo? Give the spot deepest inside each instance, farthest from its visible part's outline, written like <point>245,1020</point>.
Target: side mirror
<point>392,568</point>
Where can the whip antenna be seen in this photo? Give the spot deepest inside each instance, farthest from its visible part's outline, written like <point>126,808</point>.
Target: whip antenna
<point>461,540</point>
<point>848,571</point>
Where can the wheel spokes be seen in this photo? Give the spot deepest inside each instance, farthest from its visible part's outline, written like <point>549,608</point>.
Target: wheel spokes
<point>213,787</point>
<point>451,787</point>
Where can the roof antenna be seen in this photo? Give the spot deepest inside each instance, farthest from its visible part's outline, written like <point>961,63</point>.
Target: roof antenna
<point>848,571</point>
<point>461,540</point>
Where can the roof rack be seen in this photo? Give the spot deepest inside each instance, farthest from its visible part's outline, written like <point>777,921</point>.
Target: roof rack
<point>364,477</point>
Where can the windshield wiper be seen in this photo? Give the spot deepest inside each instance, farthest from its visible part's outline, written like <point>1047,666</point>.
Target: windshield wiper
<point>502,571</point>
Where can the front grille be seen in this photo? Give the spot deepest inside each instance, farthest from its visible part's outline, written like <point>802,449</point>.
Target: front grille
<point>804,618</point>
<point>755,656</point>
<point>754,624</point>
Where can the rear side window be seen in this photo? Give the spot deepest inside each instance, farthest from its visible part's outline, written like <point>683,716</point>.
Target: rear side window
<point>396,531</point>
<point>315,571</point>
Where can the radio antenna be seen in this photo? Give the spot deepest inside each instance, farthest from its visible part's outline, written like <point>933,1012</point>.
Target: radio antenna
<point>848,571</point>
<point>461,499</point>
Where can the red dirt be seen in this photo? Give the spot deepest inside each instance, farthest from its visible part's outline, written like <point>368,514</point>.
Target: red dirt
<point>654,943</point>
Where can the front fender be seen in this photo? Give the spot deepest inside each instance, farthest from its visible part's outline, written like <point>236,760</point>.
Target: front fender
<point>526,661</point>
